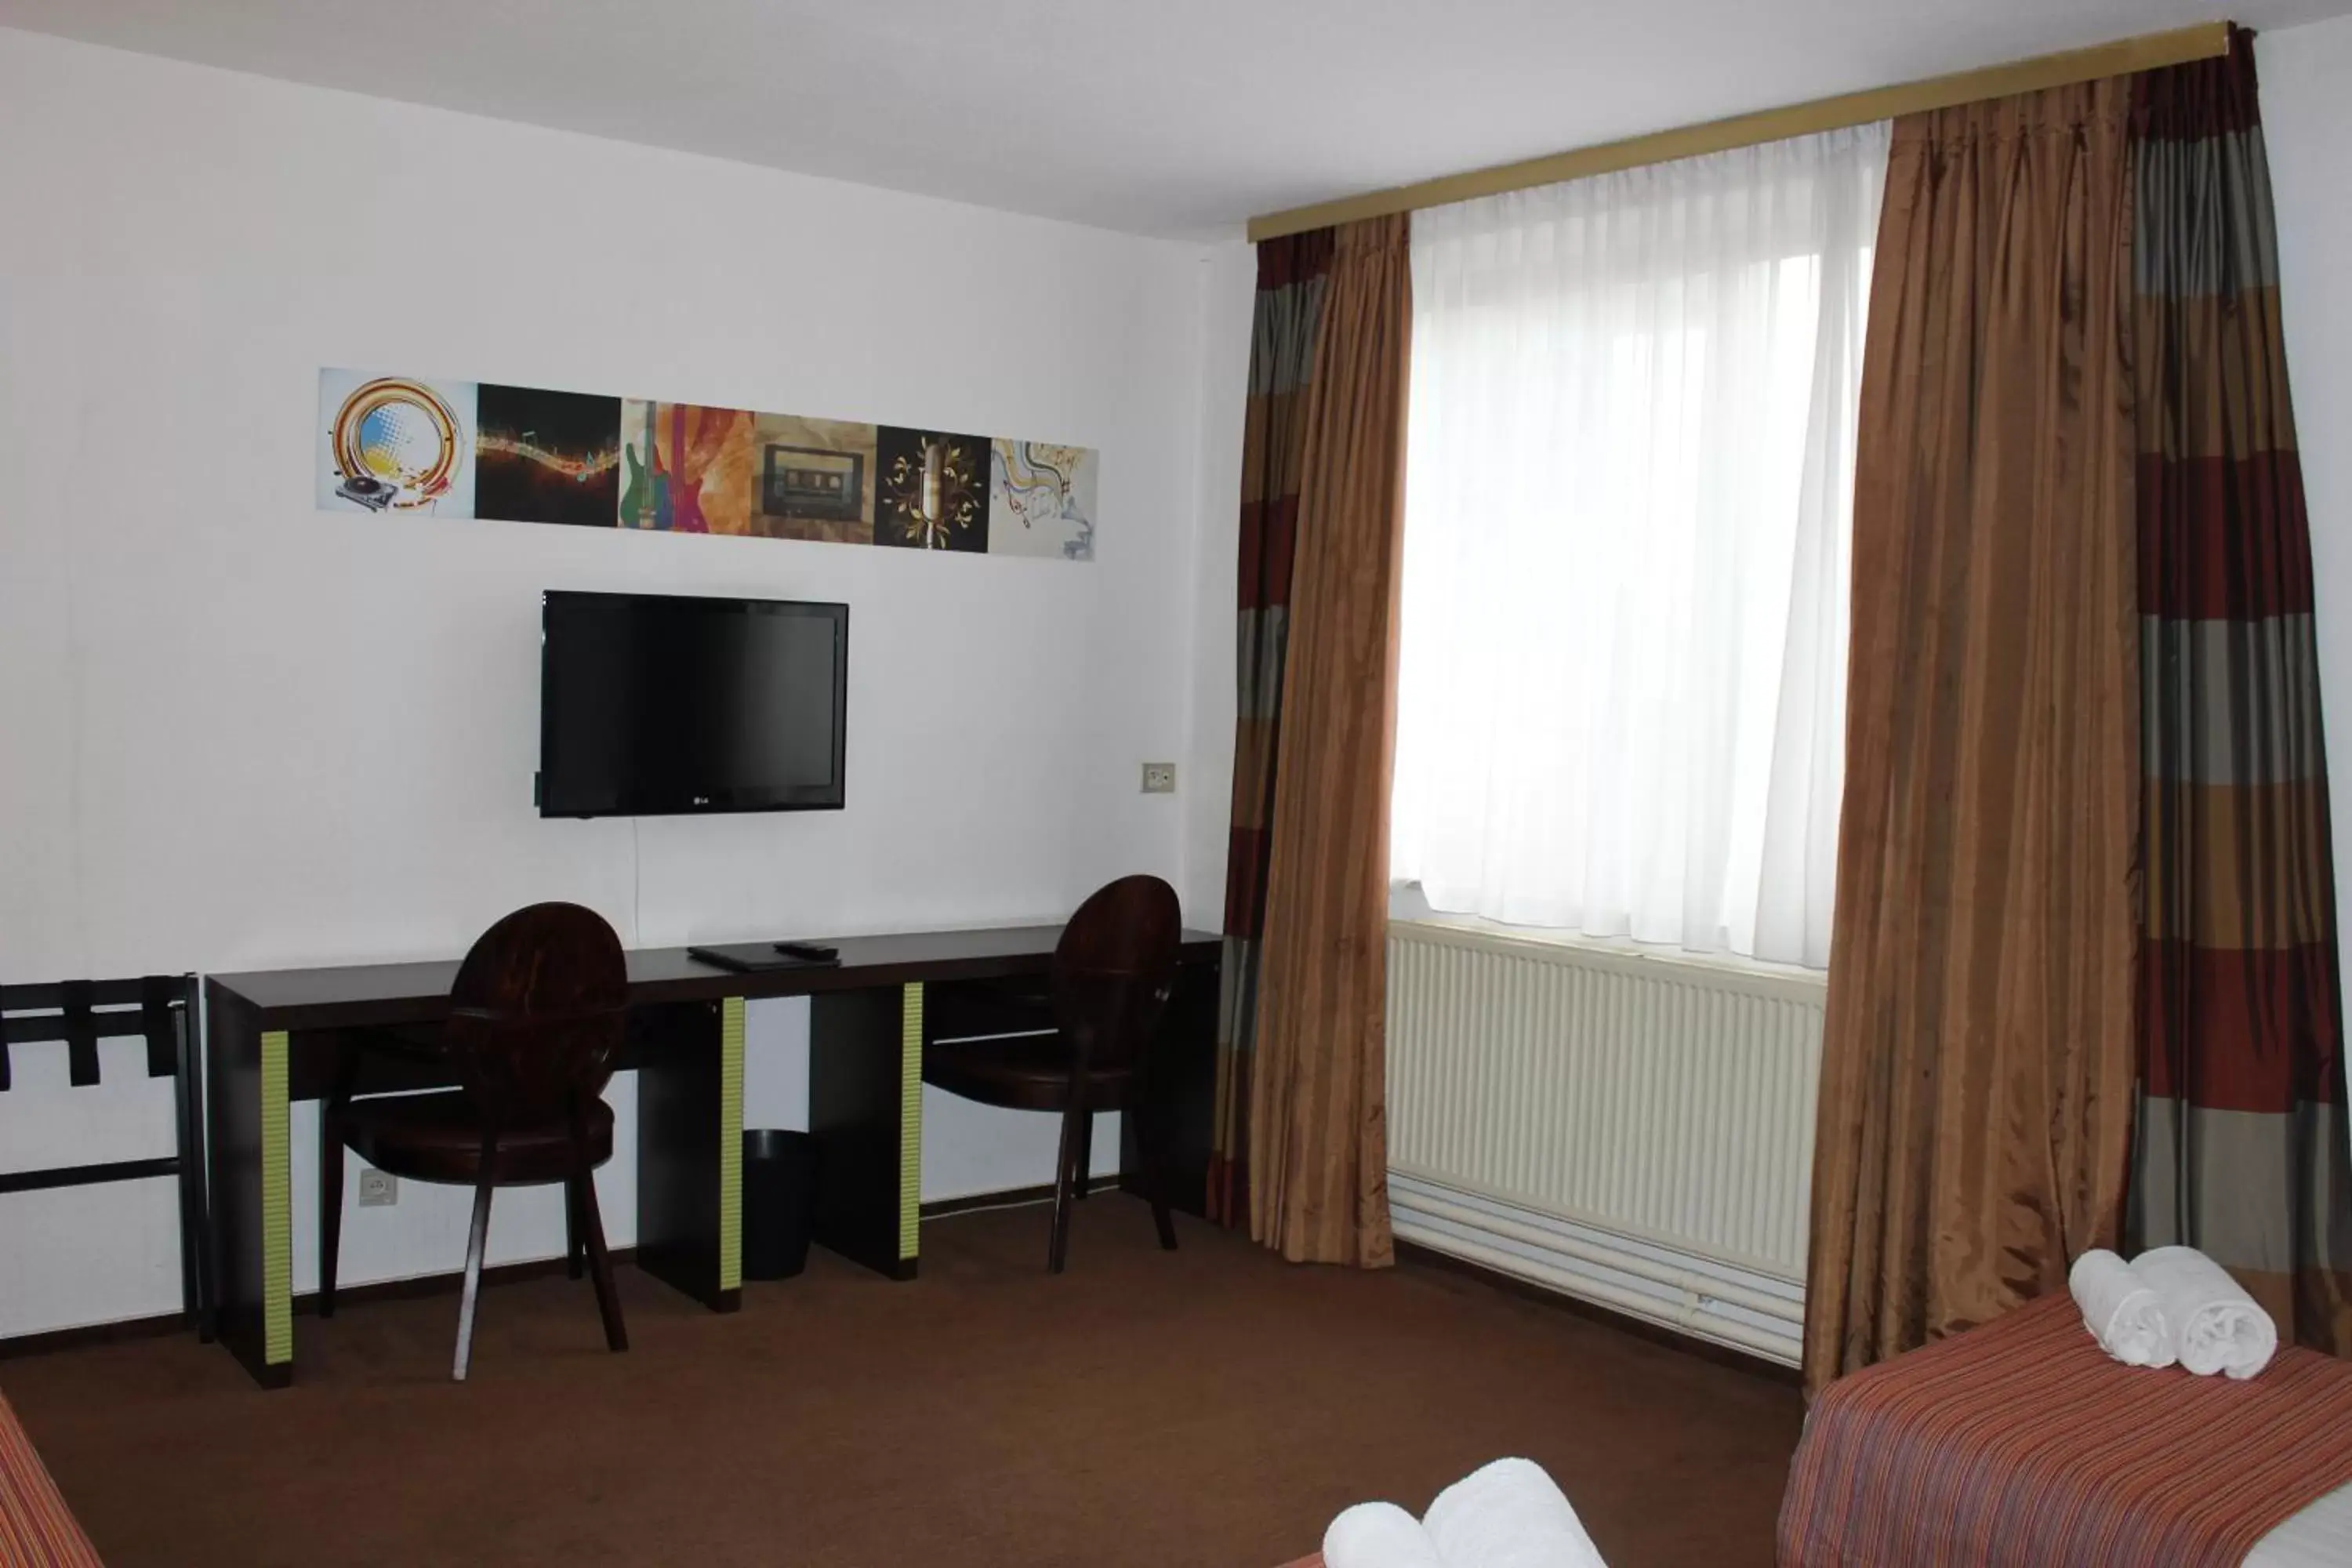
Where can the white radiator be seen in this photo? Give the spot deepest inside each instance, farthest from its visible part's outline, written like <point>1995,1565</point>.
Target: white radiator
<point>1630,1128</point>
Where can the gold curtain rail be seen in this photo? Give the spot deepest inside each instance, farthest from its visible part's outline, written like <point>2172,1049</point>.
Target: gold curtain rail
<point>2150,52</point>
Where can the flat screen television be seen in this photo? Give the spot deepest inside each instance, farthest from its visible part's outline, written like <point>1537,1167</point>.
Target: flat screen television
<point>658,705</point>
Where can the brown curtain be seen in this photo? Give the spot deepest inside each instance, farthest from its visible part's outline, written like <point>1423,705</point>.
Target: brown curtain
<point>1291,274</point>
<point>1977,1066</point>
<point>2240,1141</point>
<point>1319,1136</point>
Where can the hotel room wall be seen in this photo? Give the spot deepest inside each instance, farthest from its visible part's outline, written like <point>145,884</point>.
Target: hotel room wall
<point>2307,126</point>
<point>236,731</point>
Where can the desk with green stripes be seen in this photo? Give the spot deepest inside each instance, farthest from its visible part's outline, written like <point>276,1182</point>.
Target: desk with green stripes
<point>277,1035</point>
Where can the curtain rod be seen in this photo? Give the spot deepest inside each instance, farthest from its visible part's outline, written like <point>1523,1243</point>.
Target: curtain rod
<point>2150,51</point>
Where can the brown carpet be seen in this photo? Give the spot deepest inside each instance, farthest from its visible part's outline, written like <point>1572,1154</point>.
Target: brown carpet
<point>1212,1408</point>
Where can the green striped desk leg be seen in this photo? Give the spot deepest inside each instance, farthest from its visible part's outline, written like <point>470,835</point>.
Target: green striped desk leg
<point>690,1150</point>
<point>866,1108</point>
<point>730,1144</point>
<point>250,1186</point>
<point>911,1128</point>
<point>277,1207</point>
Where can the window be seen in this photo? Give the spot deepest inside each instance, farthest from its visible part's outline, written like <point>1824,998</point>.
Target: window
<point>1629,484</point>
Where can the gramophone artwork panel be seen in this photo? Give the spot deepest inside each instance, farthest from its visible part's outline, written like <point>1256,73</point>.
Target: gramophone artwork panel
<point>401,445</point>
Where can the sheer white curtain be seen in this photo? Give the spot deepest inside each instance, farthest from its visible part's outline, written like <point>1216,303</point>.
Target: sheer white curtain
<point>1622,695</point>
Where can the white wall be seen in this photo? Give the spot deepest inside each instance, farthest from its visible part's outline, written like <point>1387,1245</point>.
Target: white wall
<point>2306,93</point>
<point>239,732</point>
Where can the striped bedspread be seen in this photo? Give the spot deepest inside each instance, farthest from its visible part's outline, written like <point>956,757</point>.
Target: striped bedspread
<point>2020,1442</point>
<point>36,1530</point>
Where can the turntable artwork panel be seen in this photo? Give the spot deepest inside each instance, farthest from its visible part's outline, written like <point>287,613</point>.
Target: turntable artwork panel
<point>411,446</point>
<point>393,444</point>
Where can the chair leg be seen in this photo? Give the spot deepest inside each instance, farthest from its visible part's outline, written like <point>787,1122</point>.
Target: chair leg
<point>571,1227</point>
<point>1057,1248</point>
<point>1153,1146</point>
<point>331,1206</point>
<point>600,1264</point>
<point>476,1241</point>
<point>1086,1162</point>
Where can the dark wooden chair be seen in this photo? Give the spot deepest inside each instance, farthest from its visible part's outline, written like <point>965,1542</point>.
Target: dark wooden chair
<point>1112,973</point>
<point>535,1017</point>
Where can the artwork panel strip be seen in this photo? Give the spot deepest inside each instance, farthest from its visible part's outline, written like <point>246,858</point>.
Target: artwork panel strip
<point>511,453</point>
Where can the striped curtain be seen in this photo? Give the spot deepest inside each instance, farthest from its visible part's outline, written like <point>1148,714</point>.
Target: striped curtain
<point>2241,1137</point>
<point>1292,273</point>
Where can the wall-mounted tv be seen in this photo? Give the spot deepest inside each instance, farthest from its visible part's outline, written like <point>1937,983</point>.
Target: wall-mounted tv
<point>657,706</point>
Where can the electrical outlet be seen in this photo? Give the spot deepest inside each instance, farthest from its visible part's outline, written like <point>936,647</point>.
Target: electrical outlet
<point>378,1189</point>
<point>1159,778</point>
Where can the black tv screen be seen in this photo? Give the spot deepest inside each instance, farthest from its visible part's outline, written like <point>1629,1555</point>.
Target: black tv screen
<point>654,706</point>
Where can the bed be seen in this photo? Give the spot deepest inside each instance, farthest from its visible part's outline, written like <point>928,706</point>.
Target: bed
<point>2020,1442</point>
<point>2319,1536</point>
<point>37,1529</point>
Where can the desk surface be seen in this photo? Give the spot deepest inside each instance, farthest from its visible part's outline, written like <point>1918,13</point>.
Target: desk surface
<point>326,998</point>
<point>272,1037</point>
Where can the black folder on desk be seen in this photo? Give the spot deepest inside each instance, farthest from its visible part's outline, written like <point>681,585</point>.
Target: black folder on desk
<point>750,957</point>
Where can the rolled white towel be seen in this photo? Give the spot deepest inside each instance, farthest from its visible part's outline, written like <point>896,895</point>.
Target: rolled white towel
<point>1379,1535</point>
<point>1508,1514</point>
<point>2122,1310</point>
<point>2216,1326</point>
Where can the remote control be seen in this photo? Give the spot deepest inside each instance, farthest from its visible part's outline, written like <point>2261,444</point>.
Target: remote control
<point>814,951</point>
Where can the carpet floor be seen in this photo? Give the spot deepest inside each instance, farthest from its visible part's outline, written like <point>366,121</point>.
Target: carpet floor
<point>1209,1408</point>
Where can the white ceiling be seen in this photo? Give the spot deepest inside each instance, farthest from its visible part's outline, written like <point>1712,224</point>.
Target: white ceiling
<point>1165,117</point>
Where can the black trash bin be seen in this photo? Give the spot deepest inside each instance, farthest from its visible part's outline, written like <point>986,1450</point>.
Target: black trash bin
<point>779,1202</point>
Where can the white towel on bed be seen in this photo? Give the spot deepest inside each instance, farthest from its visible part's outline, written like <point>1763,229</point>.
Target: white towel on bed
<point>1379,1535</point>
<point>2122,1310</point>
<point>1508,1514</point>
<point>2216,1326</point>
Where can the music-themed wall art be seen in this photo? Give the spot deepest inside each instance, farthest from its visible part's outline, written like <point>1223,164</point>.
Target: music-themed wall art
<point>459,449</point>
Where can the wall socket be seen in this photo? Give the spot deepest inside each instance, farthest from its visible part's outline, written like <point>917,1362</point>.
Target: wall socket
<point>378,1189</point>
<point>1159,778</point>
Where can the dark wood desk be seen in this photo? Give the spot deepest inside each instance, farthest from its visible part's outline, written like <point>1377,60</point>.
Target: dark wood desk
<point>276,1036</point>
